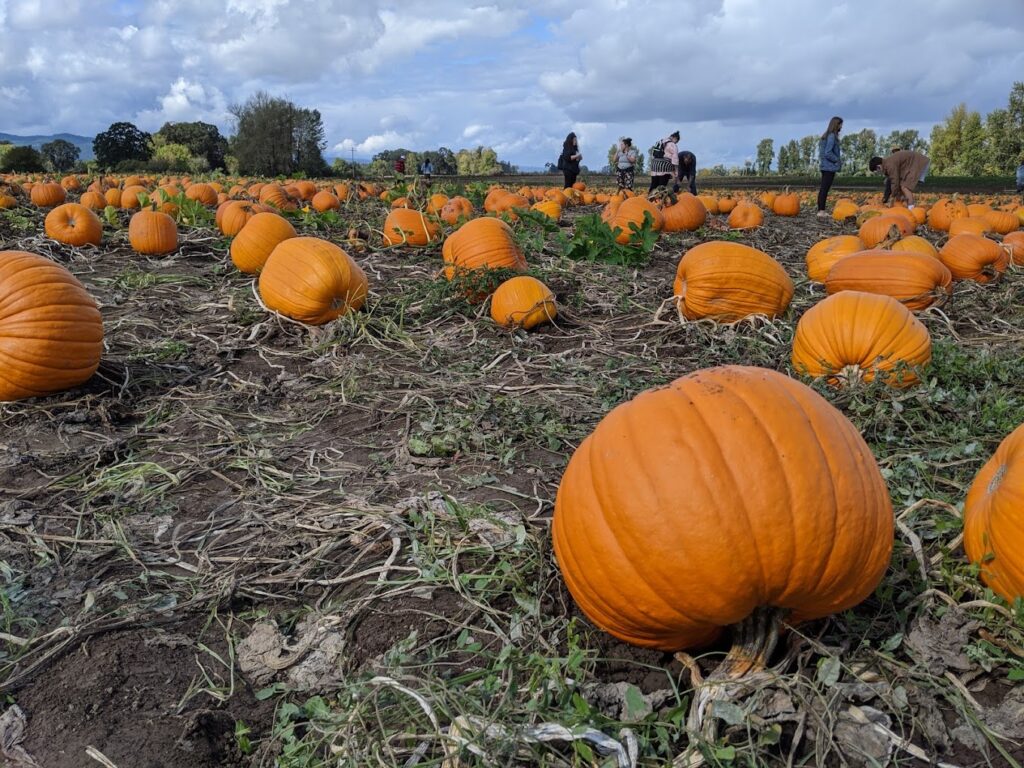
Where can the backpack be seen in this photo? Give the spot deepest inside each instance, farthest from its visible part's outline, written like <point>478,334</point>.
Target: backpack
<point>561,163</point>
<point>658,150</point>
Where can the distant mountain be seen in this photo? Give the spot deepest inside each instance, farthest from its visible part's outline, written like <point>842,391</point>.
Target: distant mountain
<point>84,143</point>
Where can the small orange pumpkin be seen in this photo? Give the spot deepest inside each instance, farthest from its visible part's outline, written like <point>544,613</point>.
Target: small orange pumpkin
<point>152,232</point>
<point>523,302</point>
<point>405,226</point>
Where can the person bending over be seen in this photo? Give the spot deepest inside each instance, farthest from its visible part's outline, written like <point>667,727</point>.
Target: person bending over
<point>905,169</point>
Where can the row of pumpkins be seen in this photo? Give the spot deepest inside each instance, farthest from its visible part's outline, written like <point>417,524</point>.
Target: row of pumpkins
<point>763,493</point>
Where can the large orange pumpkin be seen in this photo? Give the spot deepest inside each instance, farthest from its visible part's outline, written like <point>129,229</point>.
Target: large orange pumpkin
<point>728,281</point>
<point>891,227</point>
<point>914,279</point>
<point>1014,242</point>
<point>973,257</point>
<point>746,216</point>
<point>994,519</point>
<point>51,332</point>
<point>152,232</point>
<point>733,488</point>
<point>823,254</point>
<point>257,239</point>
<point>632,212</point>
<point>523,302</point>
<point>47,195</point>
<point>311,280</point>
<point>405,226</point>
<point>73,224</point>
<point>944,212</point>
<point>484,243</point>
<point>855,336</point>
<point>687,214</point>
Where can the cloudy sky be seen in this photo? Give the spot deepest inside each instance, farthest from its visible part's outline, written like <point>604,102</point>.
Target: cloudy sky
<point>515,76</point>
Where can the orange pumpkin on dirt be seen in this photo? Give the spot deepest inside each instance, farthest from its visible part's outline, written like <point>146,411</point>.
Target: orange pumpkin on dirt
<point>916,280</point>
<point>51,331</point>
<point>405,226</point>
<point>692,507</point>
<point>484,243</point>
<point>311,280</point>
<point>152,233</point>
<point>728,281</point>
<point>257,239</point>
<point>823,254</point>
<point>73,224</point>
<point>853,336</point>
<point>523,302</point>
<point>973,257</point>
<point>746,216</point>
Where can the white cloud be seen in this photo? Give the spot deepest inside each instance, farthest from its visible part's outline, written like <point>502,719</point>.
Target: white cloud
<point>515,77</point>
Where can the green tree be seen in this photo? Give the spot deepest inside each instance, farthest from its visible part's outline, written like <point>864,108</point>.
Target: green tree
<point>22,159</point>
<point>346,169</point>
<point>5,147</point>
<point>121,142</point>
<point>789,158</point>
<point>202,140</point>
<point>908,139</point>
<point>948,151</point>
<point>765,155</point>
<point>309,142</point>
<point>60,155</point>
<point>276,138</point>
<point>809,154</point>
<point>974,148</point>
<point>481,161</point>
<point>858,149</point>
<point>170,157</point>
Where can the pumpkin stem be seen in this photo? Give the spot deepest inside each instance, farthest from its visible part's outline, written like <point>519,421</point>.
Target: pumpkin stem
<point>742,670</point>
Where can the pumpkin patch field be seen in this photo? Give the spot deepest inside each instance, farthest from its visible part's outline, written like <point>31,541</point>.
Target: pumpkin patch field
<point>302,473</point>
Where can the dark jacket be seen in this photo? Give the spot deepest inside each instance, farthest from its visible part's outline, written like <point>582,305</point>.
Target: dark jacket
<point>568,150</point>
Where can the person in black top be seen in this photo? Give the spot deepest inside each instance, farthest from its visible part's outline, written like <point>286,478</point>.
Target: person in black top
<point>687,171</point>
<point>569,160</point>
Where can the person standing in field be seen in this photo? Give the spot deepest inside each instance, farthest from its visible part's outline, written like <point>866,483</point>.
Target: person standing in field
<point>569,160</point>
<point>1020,178</point>
<point>625,164</point>
<point>427,170</point>
<point>829,161</point>
<point>664,161</point>
<point>400,166</point>
<point>687,172</point>
<point>906,169</point>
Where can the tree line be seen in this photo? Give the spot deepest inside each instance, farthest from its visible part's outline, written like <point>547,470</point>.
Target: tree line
<point>964,144</point>
<point>273,137</point>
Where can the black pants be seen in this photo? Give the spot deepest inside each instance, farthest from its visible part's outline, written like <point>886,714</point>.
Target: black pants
<point>570,178</point>
<point>888,190</point>
<point>692,185</point>
<point>659,181</point>
<point>827,177</point>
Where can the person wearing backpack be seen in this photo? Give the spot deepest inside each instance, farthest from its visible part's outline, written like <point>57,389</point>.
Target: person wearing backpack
<point>664,161</point>
<point>829,161</point>
<point>569,160</point>
<point>625,164</point>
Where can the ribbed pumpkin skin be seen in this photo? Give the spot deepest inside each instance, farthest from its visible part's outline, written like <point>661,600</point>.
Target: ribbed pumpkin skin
<point>915,244</point>
<point>73,224</point>
<point>944,212</point>
<point>51,332</point>
<point>257,239</point>
<point>93,200</point>
<point>523,302</point>
<point>915,280</point>
<point>969,226</point>
<point>786,205</point>
<point>746,216</point>
<point>823,254</point>
<point>405,226</point>
<point>994,518</point>
<point>730,281</point>
<point>864,334</point>
<point>47,195</point>
<point>325,201</point>
<point>732,488</point>
<point>631,211</point>
<point>310,280</point>
<point>879,228</point>
<point>456,208</point>
<point>973,257</point>
<point>549,208</point>
<point>152,233</point>
<point>1015,242</point>
<point>233,215</point>
<point>484,243</point>
<point>686,215</point>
